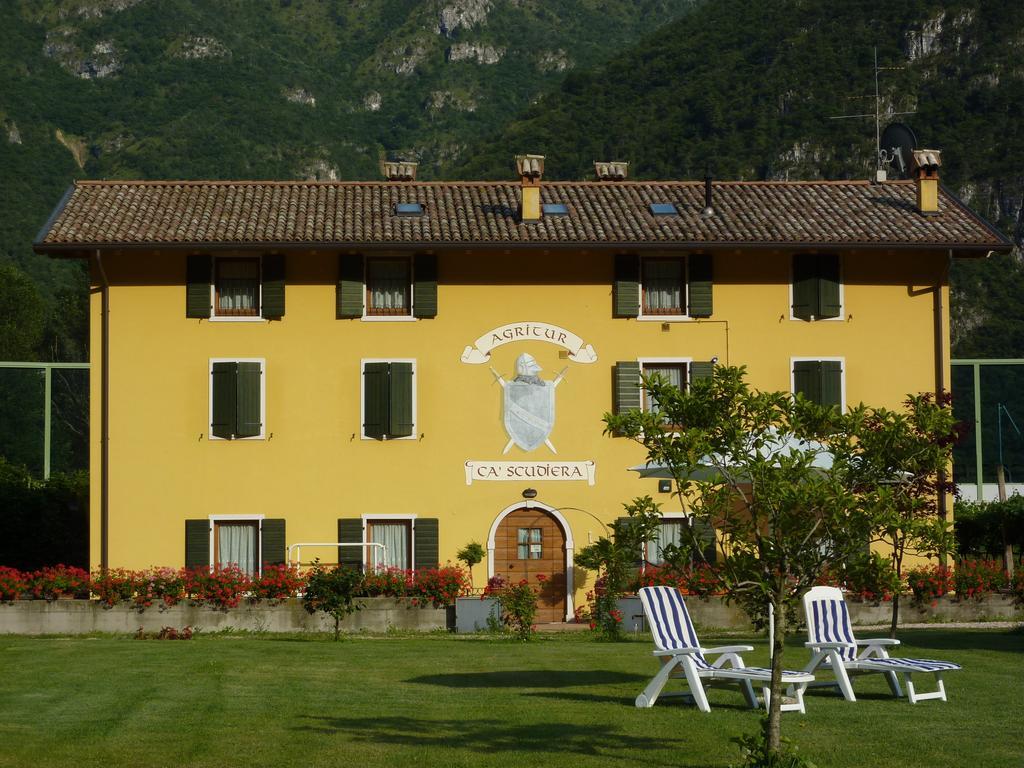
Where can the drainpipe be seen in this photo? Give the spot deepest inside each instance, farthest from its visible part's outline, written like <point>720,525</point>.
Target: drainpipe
<point>940,373</point>
<point>104,415</point>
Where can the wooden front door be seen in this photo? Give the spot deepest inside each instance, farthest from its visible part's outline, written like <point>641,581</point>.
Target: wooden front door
<point>528,543</point>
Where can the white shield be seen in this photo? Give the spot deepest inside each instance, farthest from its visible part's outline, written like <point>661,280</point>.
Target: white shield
<point>529,413</point>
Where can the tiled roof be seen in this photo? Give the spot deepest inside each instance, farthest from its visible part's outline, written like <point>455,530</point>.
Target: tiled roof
<point>485,213</point>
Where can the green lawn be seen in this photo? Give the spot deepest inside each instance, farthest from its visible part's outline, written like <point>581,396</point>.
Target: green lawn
<point>464,701</point>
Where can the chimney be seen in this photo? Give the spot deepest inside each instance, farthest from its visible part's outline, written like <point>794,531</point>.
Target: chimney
<point>530,169</point>
<point>397,170</point>
<point>926,174</point>
<point>616,170</point>
<point>709,209</point>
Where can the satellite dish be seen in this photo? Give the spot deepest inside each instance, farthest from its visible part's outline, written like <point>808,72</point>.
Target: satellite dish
<point>897,147</point>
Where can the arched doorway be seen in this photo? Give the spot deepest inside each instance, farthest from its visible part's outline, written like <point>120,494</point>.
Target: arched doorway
<point>528,541</point>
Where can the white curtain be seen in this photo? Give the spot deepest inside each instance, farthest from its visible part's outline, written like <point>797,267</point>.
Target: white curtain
<point>673,374</point>
<point>663,286</point>
<point>389,286</point>
<point>669,532</point>
<point>238,545</point>
<point>395,538</point>
<point>237,285</point>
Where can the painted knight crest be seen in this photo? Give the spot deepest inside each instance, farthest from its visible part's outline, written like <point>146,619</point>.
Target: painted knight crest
<point>529,405</point>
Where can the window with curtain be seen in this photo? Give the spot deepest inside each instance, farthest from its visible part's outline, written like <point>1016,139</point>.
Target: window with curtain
<point>664,286</point>
<point>674,373</point>
<point>669,532</point>
<point>388,287</point>
<point>396,536</point>
<point>237,286</point>
<point>237,543</point>
<point>529,544</point>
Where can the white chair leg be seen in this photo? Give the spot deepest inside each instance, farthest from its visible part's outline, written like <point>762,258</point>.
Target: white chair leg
<point>842,679</point>
<point>700,698</point>
<point>894,684</point>
<point>748,693</point>
<point>941,686</point>
<point>911,695</point>
<point>650,694</point>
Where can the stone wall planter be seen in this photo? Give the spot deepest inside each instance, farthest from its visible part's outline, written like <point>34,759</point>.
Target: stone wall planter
<point>76,617</point>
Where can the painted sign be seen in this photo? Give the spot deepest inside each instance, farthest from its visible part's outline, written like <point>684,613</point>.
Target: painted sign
<point>529,405</point>
<point>480,351</point>
<point>484,471</point>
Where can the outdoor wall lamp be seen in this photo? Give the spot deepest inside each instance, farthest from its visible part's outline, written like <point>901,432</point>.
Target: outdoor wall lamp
<point>664,486</point>
<point>530,493</point>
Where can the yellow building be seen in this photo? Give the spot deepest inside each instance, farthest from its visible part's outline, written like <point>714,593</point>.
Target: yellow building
<point>282,366</point>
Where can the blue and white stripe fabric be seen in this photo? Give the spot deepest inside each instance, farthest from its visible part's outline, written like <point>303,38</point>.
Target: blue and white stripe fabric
<point>830,623</point>
<point>670,621</point>
<point>911,665</point>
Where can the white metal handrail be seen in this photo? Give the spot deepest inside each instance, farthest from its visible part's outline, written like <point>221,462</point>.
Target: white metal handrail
<point>298,549</point>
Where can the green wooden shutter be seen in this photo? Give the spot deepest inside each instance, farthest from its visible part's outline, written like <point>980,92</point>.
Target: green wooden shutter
<point>424,297</point>
<point>224,394</point>
<point>376,400</point>
<point>627,387</point>
<point>249,400</point>
<point>425,543</point>
<point>699,288</point>
<point>273,547</point>
<point>626,290</point>
<point>197,543</point>
<point>400,411</point>
<point>828,286</point>
<point>704,537</point>
<point>831,383</point>
<point>701,370</point>
<point>198,279</point>
<point>272,296</point>
<point>805,285</point>
<point>351,290</point>
<point>807,379</point>
<point>350,531</point>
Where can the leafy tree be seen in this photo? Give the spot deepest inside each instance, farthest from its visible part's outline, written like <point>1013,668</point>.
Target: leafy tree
<point>615,559</point>
<point>332,590</point>
<point>471,554</point>
<point>22,315</point>
<point>783,519</point>
<point>905,458</point>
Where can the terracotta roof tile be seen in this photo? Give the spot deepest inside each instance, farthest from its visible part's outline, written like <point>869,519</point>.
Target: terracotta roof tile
<point>612,213</point>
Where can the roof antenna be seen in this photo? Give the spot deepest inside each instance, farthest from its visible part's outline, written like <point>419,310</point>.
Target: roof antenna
<point>881,159</point>
<point>709,210</point>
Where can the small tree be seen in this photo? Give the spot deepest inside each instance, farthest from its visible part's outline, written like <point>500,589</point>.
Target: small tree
<point>471,554</point>
<point>615,560</point>
<point>332,590</point>
<point>783,519</point>
<point>903,462</point>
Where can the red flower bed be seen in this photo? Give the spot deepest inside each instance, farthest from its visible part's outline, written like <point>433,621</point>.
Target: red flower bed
<point>58,581</point>
<point>220,588</point>
<point>13,584</point>
<point>976,578</point>
<point>929,583</point>
<point>277,583</point>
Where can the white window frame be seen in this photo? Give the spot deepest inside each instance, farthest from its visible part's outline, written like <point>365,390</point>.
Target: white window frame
<point>258,519</point>
<point>214,317</point>
<point>842,294</point>
<point>263,398</point>
<point>688,361</point>
<point>686,289</point>
<point>411,259</point>
<point>666,516</point>
<point>821,359</point>
<point>369,518</point>
<point>362,398</point>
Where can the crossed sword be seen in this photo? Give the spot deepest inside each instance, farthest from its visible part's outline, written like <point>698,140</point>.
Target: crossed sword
<point>554,383</point>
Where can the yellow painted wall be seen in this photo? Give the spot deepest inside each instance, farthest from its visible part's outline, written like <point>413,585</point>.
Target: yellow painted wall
<point>313,467</point>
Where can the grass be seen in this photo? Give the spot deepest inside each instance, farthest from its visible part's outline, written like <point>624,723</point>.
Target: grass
<point>437,700</point>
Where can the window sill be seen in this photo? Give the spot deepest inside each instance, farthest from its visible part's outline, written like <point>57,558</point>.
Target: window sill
<point>215,439</point>
<point>840,319</point>
<point>388,439</point>
<point>663,318</point>
<point>228,319</point>
<point>389,318</point>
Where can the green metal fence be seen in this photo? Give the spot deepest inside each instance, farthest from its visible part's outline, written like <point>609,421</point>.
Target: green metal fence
<point>44,415</point>
<point>989,394</point>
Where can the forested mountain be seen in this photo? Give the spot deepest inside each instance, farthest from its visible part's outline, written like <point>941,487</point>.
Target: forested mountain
<point>324,89</point>
<point>748,88</point>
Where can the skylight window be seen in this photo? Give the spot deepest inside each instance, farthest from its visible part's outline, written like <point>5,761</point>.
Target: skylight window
<point>664,209</point>
<point>555,209</point>
<point>408,209</point>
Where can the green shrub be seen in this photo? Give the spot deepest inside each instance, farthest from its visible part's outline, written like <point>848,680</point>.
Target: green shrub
<point>333,591</point>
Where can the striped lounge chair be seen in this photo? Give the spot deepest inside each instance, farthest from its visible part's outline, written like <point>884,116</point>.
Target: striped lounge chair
<point>831,640</point>
<point>682,656</point>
